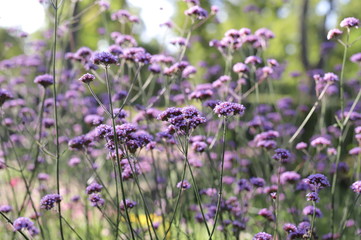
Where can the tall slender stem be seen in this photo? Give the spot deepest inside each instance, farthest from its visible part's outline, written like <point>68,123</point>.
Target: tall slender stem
<point>117,158</point>
<point>220,177</point>
<point>340,139</point>
<point>57,153</point>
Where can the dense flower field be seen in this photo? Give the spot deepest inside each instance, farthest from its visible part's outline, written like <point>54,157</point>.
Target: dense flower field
<point>120,143</point>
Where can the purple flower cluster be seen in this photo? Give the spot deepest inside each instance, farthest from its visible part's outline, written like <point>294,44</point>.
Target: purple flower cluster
<point>129,204</point>
<point>356,187</point>
<point>262,236</point>
<point>350,22</point>
<point>87,78</point>
<point>93,188</point>
<point>183,119</point>
<point>25,223</point>
<point>45,80</point>
<point>226,109</point>
<point>49,200</point>
<point>317,181</point>
<point>96,200</point>
<point>4,96</point>
<point>184,185</point>
<point>104,58</point>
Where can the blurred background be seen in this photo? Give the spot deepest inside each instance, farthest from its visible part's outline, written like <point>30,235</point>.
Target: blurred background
<point>300,27</point>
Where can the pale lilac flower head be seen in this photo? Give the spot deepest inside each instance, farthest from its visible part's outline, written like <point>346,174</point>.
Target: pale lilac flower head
<point>264,212</point>
<point>5,208</point>
<point>264,33</point>
<point>44,80</point>
<point>334,33</point>
<point>320,141</point>
<point>289,227</point>
<point>253,60</point>
<point>356,58</point>
<point>289,177</point>
<point>350,22</point>
<point>262,236</point>
<point>184,185</point>
<point>355,151</point>
<point>330,77</point>
<point>129,204</point>
<point>229,109</point>
<point>301,145</point>
<point>87,78</point>
<point>356,187</point>
<point>196,11</point>
<point>310,210</point>
<point>240,68</point>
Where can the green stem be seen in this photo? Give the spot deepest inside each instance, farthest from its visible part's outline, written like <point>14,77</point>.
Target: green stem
<point>220,178</point>
<point>9,221</point>
<point>340,139</point>
<point>56,118</point>
<point>309,114</point>
<point>118,159</point>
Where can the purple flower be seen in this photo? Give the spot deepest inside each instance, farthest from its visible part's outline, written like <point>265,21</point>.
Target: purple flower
<point>48,201</point>
<point>355,151</point>
<point>188,71</point>
<point>182,119</point>
<point>289,227</point>
<point>22,222</point>
<point>197,11</point>
<point>93,188</point>
<point>5,208</point>
<point>312,196</point>
<point>44,80</point>
<point>318,181</point>
<point>262,236</point>
<point>356,187</point>
<point>79,142</point>
<point>334,33</point>
<point>253,60</point>
<point>184,185</point>
<point>96,200</point>
<point>310,210</point>
<point>4,96</point>
<point>104,58</point>
<point>228,109</point>
<point>356,58</point>
<point>350,22</point>
<point>244,185</point>
<point>320,141</point>
<point>257,182</point>
<point>266,214</point>
<point>289,177</point>
<point>129,204</point>
<point>240,68</point>
<point>94,119</point>
<point>330,77</point>
<point>301,145</point>
<point>87,78</point>
<point>282,155</point>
